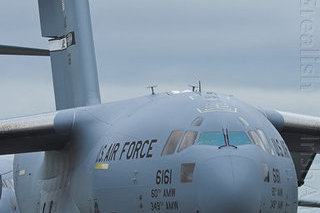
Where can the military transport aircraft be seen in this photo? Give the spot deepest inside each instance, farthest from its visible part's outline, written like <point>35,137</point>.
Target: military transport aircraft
<point>188,152</point>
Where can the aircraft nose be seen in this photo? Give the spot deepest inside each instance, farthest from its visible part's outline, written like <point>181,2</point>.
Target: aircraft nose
<point>228,185</point>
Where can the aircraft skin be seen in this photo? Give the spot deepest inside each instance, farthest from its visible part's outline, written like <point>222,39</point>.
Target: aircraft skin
<point>191,152</point>
<point>8,203</point>
<point>115,164</point>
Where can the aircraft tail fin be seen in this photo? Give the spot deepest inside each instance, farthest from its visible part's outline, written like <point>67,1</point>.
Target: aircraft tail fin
<point>67,24</point>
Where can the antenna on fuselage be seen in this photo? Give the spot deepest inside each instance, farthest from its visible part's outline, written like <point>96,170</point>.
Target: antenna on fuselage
<point>193,87</point>
<point>152,89</point>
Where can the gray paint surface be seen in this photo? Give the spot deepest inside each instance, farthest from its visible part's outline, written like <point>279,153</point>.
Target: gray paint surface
<point>74,69</point>
<point>68,179</point>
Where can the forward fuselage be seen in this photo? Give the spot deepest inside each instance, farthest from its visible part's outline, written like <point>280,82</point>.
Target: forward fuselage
<point>163,153</point>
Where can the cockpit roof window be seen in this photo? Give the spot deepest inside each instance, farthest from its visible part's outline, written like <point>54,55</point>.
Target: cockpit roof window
<point>197,122</point>
<point>188,139</point>
<point>172,142</point>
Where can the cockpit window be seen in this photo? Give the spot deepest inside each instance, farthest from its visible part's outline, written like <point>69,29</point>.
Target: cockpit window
<point>172,142</point>
<point>260,139</point>
<point>188,140</point>
<point>238,138</point>
<point>257,140</point>
<point>269,148</point>
<point>212,138</point>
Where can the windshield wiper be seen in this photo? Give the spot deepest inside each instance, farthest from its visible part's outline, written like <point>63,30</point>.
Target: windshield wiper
<point>226,139</point>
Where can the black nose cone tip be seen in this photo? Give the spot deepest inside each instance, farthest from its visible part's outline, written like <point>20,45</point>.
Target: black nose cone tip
<point>229,185</point>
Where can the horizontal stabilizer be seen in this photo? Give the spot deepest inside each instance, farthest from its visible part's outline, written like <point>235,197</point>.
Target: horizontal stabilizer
<point>44,132</point>
<point>13,50</point>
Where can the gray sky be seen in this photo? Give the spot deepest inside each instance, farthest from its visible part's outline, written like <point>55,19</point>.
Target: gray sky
<point>246,48</point>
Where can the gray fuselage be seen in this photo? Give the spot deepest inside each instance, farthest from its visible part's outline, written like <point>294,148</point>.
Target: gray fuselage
<point>185,153</point>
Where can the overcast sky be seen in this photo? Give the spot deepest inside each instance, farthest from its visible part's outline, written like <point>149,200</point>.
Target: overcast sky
<point>246,48</point>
